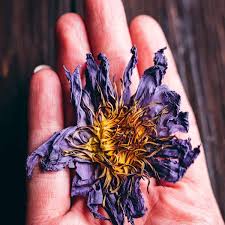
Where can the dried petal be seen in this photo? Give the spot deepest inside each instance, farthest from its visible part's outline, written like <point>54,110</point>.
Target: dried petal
<point>166,103</point>
<point>134,202</point>
<point>151,79</point>
<point>95,199</point>
<point>91,80</point>
<point>115,213</point>
<point>98,84</point>
<point>51,152</point>
<point>104,80</point>
<point>76,94</point>
<point>178,124</point>
<point>87,106</point>
<point>171,163</point>
<point>127,76</point>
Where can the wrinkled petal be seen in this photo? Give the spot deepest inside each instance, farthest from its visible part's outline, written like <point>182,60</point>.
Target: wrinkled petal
<point>168,170</point>
<point>50,152</point>
<point>151,79</point>
<point>127,76</point>
<point>91,73</point>
<point>76,95</point>
<point>85,184</point>
<point>84,170</point>
<point>178,124</point>
<point>91,80</point>
<point>95,199</point>
<point>115,213</point>
<point>166,105</point>
<point>41,151</point>
<point>130,204</point>
<point>83,179</point>
<point>171,163</point>
<point>163,98</point>
<point>104,80</point>
<point>134,202</point>
<point>80,187</point>
<point>98,83</point>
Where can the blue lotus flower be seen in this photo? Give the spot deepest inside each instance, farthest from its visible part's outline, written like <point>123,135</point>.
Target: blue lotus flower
<point>118,140</point>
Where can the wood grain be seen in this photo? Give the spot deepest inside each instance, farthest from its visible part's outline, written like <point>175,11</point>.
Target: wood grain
<point>196,34</point>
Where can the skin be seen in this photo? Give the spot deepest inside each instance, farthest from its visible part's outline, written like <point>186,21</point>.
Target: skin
<point>190,201</point>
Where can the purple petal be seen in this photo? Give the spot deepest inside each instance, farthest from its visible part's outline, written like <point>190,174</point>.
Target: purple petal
<point>171,120</point>
<point>41,151</point>
<point>80,187</point>
<point>91,80</point>
<point>83,179</point>
<point>95,198</point>
<point>127,76</point>
<point>85,184</point>
<point>151,79</point>
<point>51,151</point>
<point>87,106</point>
<point>104,80</point>
<point>84,170</point>
<point>134,202</point>
<point>178,124</point>
<point>163,98</point>
<point>76,95</point>
<point>172,162</point>
<point>128,202</point>
<point>168,170</point>
<point>98,83</point>
<point>91,73</point>
<point>115,213</point>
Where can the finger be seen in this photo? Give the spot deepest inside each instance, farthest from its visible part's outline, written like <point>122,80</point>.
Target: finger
<point>48,192</point>
<point>108,33</point>
<point>72,46</point>
<point>148,36</point>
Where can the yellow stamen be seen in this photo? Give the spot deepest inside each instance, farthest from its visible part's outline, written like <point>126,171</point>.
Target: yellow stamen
<point>118,143</point>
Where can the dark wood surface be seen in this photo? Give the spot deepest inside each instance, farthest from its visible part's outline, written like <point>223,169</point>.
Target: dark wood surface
<point>196,33</point>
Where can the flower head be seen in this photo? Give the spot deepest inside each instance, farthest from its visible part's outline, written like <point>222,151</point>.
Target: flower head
<point>118,140</point>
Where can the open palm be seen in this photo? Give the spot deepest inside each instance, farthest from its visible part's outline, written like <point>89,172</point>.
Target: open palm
<point>189,201</point>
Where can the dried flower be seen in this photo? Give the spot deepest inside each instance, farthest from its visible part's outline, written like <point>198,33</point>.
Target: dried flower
<point>118,140</point>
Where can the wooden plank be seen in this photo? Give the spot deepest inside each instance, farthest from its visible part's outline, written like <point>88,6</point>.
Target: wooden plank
<point>195,31</point>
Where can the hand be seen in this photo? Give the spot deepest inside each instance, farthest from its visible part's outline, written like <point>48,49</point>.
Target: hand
<point>190,201</point>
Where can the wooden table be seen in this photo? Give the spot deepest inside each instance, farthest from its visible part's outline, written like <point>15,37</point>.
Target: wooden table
<point>196,34</point>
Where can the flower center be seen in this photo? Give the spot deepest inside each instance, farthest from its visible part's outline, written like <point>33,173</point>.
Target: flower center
<point>119,143</point>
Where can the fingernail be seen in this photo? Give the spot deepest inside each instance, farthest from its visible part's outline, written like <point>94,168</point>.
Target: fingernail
<point>41,67</point>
